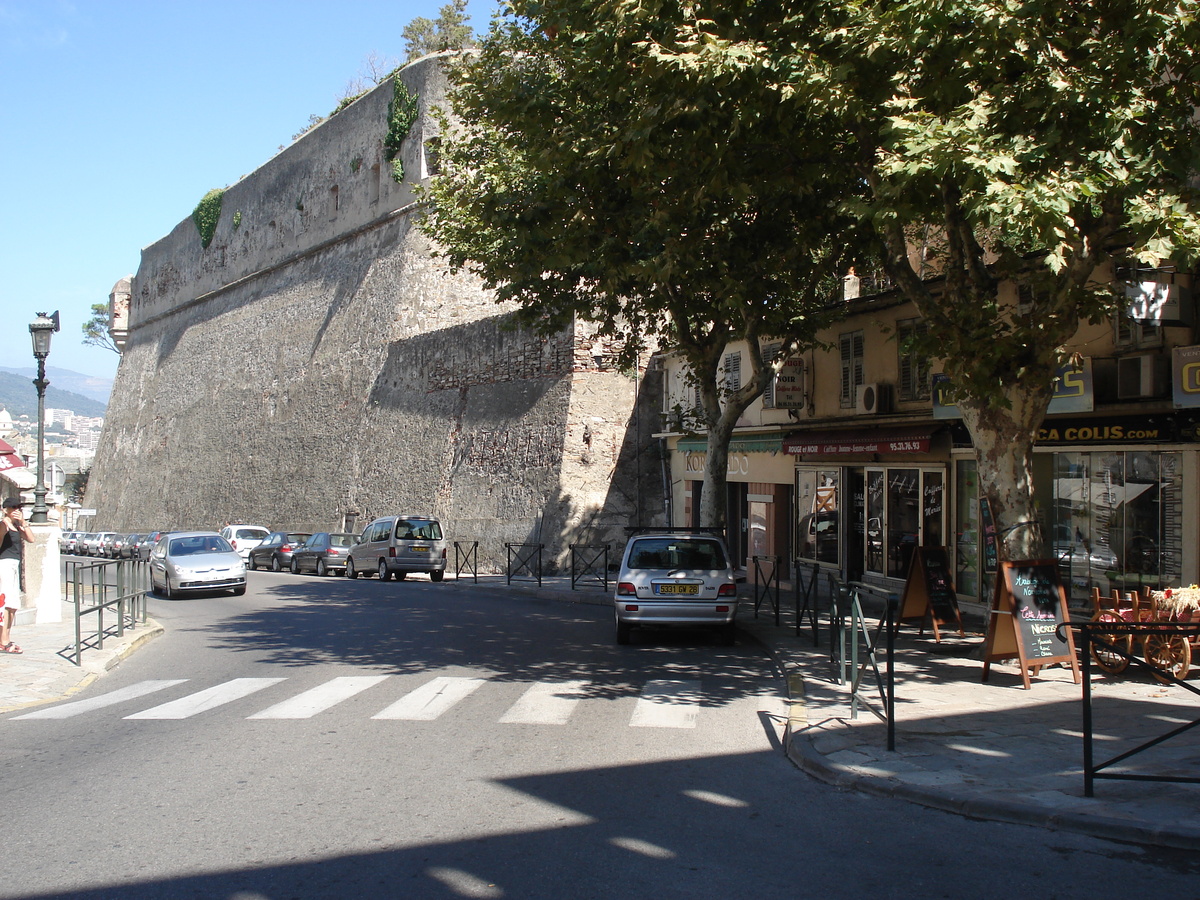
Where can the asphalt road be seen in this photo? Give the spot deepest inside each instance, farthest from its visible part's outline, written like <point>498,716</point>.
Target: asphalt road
<point>330,738</point>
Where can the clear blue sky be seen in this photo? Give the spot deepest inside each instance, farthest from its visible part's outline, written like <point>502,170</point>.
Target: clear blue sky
<point>117,117</point>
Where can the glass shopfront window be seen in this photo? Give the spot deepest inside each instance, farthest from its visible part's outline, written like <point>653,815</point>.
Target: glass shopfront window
<point>818,493</point>
<point>905,509</point>
<point>1117,521</point>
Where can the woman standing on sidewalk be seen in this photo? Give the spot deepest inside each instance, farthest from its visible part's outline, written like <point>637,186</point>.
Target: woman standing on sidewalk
<point>16,529</point>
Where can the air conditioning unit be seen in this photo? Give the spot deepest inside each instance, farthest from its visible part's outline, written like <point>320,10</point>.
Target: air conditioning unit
<point>873,398</point>
<point>1141,376</point>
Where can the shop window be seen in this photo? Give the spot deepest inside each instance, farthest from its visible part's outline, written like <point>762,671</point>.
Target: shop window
<point>818,497</point>
<point>915,382</point>
<point>1117,521</point>
<point>905,510</point>
<point>851,349</point>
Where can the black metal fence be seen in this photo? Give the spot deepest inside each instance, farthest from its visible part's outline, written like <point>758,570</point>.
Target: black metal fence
<point>589,565</point>
<point>115,586</point>
<point>1101,635</point>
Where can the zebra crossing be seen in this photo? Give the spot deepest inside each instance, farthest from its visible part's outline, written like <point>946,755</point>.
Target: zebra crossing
<point>662,703</point>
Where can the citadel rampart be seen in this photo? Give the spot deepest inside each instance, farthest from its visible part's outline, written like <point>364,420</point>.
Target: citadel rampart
<point>316,366</point>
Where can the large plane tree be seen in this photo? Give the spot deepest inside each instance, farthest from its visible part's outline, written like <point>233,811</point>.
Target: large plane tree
<point>583,178</point>
<point>1011,150</point>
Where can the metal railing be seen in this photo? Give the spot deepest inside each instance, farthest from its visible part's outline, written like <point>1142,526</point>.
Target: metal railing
<point>525,558</point>
<point>117,585</point>
<point>844,648</point>
<point>466,559</point>
<point>806,599</point>
<point>1095,633</point>
<point>766,584</point>
<point>589,561</point>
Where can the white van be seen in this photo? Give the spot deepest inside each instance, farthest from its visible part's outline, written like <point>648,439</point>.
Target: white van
<point>397,545</point>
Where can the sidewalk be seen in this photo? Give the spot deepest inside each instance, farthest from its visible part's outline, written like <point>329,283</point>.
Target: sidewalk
<point>46,671</point>
<point>990,751</point>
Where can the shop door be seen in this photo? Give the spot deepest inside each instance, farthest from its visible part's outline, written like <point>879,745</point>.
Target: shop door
<point>856,546</point>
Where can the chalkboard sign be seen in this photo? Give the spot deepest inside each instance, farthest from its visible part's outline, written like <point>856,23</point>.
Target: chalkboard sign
<point>930,591</point>
<point>1028,605</point>
<point>990,544</point>
<point>1037,605</point>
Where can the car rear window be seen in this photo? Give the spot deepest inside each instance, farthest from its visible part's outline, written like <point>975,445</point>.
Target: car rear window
<point>341,540</point>
<point>249,533</point>
<point>419,530</point>
<point>676,553</point>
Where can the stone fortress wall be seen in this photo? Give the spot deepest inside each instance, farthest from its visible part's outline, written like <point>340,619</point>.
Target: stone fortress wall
<point>316,364</point>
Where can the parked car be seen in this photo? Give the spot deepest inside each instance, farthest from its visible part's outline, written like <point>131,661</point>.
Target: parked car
<point>276,551</point>
<point>244,538</point>
<point>129,547</point>
<point>675,578</point>
<point>397,545</point>
<point>189,561</point>
<point>323,553</point>
<point>97,543</point>
<point>66,542</point>
<point>83,543</point>
<point>146,544</point>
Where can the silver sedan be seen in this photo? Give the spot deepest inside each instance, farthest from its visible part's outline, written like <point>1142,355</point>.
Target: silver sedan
<point>189,561</point>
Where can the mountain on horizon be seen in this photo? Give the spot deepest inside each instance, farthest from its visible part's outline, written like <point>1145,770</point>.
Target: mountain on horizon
<point>90,386</point>
<point>66,391</point>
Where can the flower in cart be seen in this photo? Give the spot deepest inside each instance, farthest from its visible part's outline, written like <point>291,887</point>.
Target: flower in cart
<point>1167,593</point>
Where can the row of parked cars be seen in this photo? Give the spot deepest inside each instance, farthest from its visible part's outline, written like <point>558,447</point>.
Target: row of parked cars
<point>108,544</point>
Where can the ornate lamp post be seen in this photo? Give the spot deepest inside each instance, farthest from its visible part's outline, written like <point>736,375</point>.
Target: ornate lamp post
<point>41,329</point>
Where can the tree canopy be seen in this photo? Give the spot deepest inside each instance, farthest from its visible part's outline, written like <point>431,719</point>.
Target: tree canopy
<point>95,329</point>
<point>449,31</point>
<point>1031,147</point>
<point>582,178</point>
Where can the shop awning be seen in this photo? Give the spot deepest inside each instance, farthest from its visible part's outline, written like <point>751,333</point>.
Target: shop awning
<point>852,441</point>
<point>9,458</point>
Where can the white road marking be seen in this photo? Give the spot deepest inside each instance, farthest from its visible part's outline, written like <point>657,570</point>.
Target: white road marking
<point>546,703</point>
<point>431,699</point>
<point>203,701</point>
<point>320,698</point>
<point>667,704</point>
<point>141,689</point>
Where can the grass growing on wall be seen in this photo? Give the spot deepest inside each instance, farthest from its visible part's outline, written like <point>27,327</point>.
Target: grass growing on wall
<point>206,215</point>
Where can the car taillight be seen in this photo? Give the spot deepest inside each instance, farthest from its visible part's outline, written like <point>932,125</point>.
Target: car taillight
<point>722,608</point>
<point>391,551</point>
<point>233,544</point>
<point>631,607</point>
<point>285,547</point>
<point>727,590</point>
<point>625,589</point>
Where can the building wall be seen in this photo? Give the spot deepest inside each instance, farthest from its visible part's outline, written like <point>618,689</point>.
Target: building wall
<point>316,364</point>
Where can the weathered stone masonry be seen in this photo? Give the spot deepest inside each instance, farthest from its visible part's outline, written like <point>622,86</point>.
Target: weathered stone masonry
<point>316,362</point>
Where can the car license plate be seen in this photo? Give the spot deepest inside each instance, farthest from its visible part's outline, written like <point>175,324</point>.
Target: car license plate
<point>419,548</point>
<point>677,589</point>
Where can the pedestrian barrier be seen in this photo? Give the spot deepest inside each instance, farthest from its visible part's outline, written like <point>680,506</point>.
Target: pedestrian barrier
<point>806,596</point>
<point>766,583</point>
<point>113,584</point>
<point>589,561</point>
<point>525,558</point>
<point>1115,639</point>
<point>466,559</point>
<point>847,607</point>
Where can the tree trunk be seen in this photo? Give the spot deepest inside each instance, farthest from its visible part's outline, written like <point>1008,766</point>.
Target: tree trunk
<point>1003,439</point>
<point>716,471</point>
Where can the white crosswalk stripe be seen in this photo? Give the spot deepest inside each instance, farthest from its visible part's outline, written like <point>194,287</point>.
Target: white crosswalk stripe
<point>431,699</point>
<point>78,707</point>
<point>546,703</point>
<point>203,701</point>
<point>664,703</point>
<point>667,704</point>
<point>320,698</point>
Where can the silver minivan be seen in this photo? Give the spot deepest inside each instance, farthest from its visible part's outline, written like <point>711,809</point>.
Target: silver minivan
<point>397,545</point>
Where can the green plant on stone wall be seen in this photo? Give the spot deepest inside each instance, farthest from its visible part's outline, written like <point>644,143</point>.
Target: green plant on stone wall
<point>206,215</point>
<point>402,113</point>
<point>237,220</point>
<point>356,164</point>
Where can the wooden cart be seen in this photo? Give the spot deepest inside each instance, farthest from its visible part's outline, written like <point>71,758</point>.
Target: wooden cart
<point>1172,653</point>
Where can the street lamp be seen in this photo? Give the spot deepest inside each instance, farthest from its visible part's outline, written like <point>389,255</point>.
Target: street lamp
<point>40,329</point>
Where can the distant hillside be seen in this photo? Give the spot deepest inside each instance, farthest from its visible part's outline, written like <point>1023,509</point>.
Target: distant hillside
<point>89,386</point>
<point>19,397</point>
